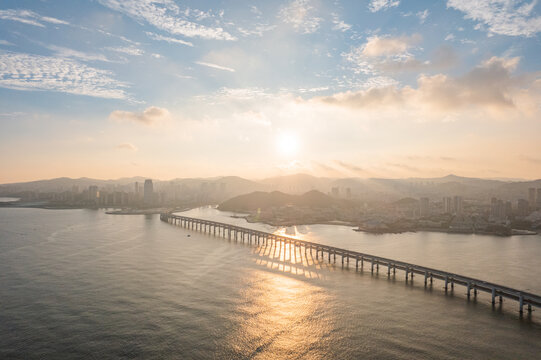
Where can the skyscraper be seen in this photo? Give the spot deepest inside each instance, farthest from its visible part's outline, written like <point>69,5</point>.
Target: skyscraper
<point>459,208</point>
<point>447,205</point>
<point>531,198</point>
<point>148,191</point>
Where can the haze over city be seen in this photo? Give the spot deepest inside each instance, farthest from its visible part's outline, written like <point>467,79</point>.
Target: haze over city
<point>284,179</point>
<point>162,89</point>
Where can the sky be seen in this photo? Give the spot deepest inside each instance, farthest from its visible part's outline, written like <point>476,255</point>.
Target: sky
<point>344,88</point>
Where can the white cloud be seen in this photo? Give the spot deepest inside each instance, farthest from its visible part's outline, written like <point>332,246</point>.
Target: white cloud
<point>5,42</point>
<point>168,39</point>
<point>339,24</point>
<point>214,66</point>
<point>150,116</point>
<point>34,72</point>
<point>166,15</point>
<point>377,5</point>
<point>300,14</point>
<point>129,50</point>
<point>29,17</point>
<point>490,87</point>
<point>156,56</point>
<point>503,17</point>
<point>70,53</point>
<point>423,15</point>
<point>377,50</point>
<point>126,146</point>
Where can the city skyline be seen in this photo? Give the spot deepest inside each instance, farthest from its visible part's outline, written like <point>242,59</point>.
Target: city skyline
<point>164,89</point>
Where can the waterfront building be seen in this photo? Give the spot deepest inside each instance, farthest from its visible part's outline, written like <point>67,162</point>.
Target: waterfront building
<point>148,195</point>
<point>531,198</point>
<point>458,205</point>
<point>447,205</point>
<point>523,208</point>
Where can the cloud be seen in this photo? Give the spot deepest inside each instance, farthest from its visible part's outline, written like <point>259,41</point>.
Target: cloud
<point>503,17</point>
<point>126,146</point>
<point>128,50</point>
<point>214,66</point>
<point>368,57</point>
<point>70,53</point>
<point>168,39</point>
<point>339,25</point>
<point>491,86</point>
<point>423,15</point>
<point>387,45</point>
<point>150,116</point>
<point>5,42</point>
<point>167,16</point>
<point>350,167</point>
<point>377,5</point>
<point>300,14</point>
<point>35,72</point>
<point>29,17</point>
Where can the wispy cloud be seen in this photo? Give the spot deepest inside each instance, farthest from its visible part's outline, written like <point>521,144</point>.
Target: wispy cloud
<point>167,16</point>
<point>128,50</point>
<point>300,14</point>
<point>70,53</point>
<point>215,66</point>
<point>5,42</point>
<point>339,24</point>
<point>126,146</point>
<point>169,39</point>
<point>503,17</point>
<point>149,116</point>
<point>34,72</point>
<point>377,5</point>
<point>29,17</point>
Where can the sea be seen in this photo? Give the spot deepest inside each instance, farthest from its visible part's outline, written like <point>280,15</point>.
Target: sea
<point>82,284</point>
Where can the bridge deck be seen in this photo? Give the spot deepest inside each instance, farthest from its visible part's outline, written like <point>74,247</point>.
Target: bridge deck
<point>522,297</point>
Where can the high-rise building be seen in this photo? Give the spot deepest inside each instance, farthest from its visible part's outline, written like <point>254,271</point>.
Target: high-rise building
<point>523,208</point>
<point>335,192</point>
<point>531,198</point>
<point>148,195</point>
<point>424,207</point>
<point>458,206</point>
<point>538,202</point>
<point>93,193</point>
<point>447,205</point>
<point>136,188</point>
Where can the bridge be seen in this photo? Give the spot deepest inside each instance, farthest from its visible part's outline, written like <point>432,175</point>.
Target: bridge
<point>429,274</point>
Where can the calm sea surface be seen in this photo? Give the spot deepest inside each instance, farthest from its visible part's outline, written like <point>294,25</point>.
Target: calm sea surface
<point>83,284</point>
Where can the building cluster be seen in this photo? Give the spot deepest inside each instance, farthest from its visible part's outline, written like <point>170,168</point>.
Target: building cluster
<point>134,195</point>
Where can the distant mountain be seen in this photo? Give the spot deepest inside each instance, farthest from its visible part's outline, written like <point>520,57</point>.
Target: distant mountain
<point>265,200</point>
<point>373,189</point>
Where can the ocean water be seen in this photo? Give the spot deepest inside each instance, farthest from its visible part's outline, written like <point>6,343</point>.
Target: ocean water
<point>84,284</point>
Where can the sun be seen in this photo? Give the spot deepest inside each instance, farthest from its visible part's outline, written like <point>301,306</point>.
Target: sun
<point>287,144</point>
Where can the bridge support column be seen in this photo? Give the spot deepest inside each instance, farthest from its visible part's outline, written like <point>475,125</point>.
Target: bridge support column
<point>329,257</point>
<point>342,259</point>
<point>362,262</point>
<point>529,308</point>
<point>377,266</point>
<point>452,284</point>
<point>426,278</point>
<point>372,266</point>
<point>475,291</point>
<point>520,303</point>
<point>388,270</point>
<point>356,263</point>
<point>468,289</point>
<point>334,255</point>
<point>493,296</point>
<point>407,273</point>
<point>446,282</point>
